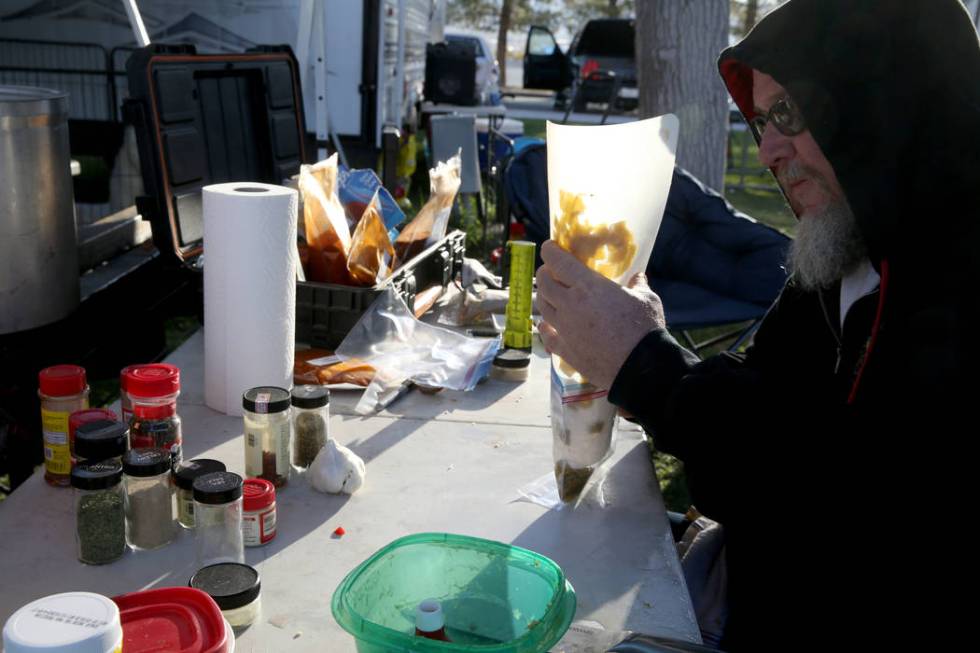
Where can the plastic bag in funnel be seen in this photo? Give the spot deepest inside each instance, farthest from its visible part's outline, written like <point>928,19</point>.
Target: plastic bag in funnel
<point>430,224</point>
<point>327,232</point>
<point>607,189</point>
<point>371,253</point>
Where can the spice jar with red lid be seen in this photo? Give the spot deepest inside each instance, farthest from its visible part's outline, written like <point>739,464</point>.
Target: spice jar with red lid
<point>258,511</point>
<point>153,391</point>
<point>63,389</point>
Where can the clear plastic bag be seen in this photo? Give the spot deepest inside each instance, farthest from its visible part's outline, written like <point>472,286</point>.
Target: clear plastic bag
<point>389,338</point>
<point>430,225</point>
<point>328,235</point>
<point>356,190</point>
<point>371,253</point>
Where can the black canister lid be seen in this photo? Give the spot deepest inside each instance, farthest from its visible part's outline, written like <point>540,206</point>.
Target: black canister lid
<point>231,584</point>
<point>101,439</point>
<point>310,396</point>
<point>266,399</point>
<point>96,476</point>
<point>186,472</point>
<point>512,359</point>
<point>146,462</point>
<point>216,488</point>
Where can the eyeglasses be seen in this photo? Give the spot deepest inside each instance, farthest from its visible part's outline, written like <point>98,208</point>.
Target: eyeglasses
<point>784,115</point>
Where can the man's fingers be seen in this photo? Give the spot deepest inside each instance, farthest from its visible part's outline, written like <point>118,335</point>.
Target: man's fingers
<point>565,268</point>
<point>549,288</point>
<point>548,336</point>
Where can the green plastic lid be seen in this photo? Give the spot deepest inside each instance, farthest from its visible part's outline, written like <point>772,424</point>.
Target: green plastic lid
<point>495,597</point>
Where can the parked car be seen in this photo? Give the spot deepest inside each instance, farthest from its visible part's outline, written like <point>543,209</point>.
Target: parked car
<point>603,46</point>
<point>487,70</point>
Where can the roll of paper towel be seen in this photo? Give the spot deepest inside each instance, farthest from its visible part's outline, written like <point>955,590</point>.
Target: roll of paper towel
<point>249,290</point>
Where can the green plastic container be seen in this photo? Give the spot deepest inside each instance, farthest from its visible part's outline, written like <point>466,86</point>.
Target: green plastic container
<point>496,598</point>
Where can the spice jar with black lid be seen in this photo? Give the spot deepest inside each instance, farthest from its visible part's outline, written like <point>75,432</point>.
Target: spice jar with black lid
<point>218,518</point>
<point>100,524</point>
<point>235,587</point>
<point>101,440</point>
<point>149,498</point>
<point>311,423</point>
<point>267,428</point>
<point>184,476</point>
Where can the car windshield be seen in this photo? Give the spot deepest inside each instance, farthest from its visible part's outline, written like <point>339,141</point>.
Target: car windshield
<point>468,40</point>
<point>607,38</point>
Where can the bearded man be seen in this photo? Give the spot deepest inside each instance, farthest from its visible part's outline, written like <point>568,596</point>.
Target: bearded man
<point>833,446</point>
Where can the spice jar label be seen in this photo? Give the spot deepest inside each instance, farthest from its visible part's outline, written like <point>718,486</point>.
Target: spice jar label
<point>57,457</point>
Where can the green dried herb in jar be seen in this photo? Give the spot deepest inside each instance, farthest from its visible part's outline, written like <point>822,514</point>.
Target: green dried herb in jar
<point>100,518</point>
<point>311,423</point>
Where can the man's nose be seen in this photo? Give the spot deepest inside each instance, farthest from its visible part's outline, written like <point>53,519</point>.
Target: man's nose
<point>774,148</point>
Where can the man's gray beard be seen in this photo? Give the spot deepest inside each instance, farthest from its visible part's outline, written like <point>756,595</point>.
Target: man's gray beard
<point>828,244</point>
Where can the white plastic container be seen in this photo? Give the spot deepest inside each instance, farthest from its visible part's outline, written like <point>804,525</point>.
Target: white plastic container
<point>74,622</point>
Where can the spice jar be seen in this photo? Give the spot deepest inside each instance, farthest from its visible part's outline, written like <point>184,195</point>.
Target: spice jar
<point>258,511</point>
<point>101,440</point>
<point>100,525</point>
<point>267,434</point>
<point>184,476</point>
<point>85,416</point>
<point>73,622</point>
<point>218,518</point>
<point>149,498</point>
<point>153,390</point>
<point>63,390</point>
<point>235,587</point>
<point>511,365</point>
<point>311,423</point>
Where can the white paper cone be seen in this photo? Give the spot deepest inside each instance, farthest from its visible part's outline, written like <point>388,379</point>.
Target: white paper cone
<point>249,290</point>
<point>624,171</point>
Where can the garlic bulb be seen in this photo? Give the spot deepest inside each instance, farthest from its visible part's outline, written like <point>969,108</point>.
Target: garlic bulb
<point>337,469</point>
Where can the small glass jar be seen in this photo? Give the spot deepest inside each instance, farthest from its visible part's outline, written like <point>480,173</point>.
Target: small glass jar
<point>184,476</point>
<point>125,403</point>
<point>311,423</point>
<point>258,512</point>
<point>511,365</point>
<point>101,440</point>
<point>63,389</point>
<point>153,391</point>
<point>149,498</point>
<point>80,417</point>
<point>218,518</point>
<point>235,587</point>
<point>267,430</point>
<point>100,524</point>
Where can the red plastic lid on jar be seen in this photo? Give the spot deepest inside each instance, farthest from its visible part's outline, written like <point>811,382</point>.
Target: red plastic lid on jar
<point>257,493</point>
<point>62,380</point>
<point>80,417</point>
<point>153,380</point>
<point>174,619</point>
<point>124,377</point>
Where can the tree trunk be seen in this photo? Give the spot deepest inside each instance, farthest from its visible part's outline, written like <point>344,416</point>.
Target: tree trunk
<point>506,8</point>
<point>677,47</point>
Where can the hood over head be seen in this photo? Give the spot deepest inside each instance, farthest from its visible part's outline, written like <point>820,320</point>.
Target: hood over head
<point>890,90</point>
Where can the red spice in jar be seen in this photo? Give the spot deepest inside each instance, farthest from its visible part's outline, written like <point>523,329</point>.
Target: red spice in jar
<point>258,511</point>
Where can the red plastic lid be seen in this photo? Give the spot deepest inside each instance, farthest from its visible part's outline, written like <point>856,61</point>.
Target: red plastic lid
<point>62,380</point>
<point>257,493</point>
<point>124,376</point>
<point>173,619</point>
<point>154,380</point>
<point>80,417</point>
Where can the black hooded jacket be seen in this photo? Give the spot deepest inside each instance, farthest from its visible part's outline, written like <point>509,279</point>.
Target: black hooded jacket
<point>830,456</point>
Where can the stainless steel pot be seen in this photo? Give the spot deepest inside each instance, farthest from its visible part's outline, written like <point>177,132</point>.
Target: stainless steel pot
<point>38,249</point>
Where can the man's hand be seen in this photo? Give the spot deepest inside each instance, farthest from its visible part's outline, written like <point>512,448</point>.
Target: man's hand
<point>590,321</point>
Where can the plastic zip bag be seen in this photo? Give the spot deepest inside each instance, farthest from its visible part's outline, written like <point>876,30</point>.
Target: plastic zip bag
<point>430,225</point>
<point>389,338</point>
<point>356,190</point>
<point>606,210</point>
<point>328,235</point>
<point>371,254</point>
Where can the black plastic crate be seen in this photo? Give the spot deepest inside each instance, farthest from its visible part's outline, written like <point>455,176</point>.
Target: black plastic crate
<point>326,312</point>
